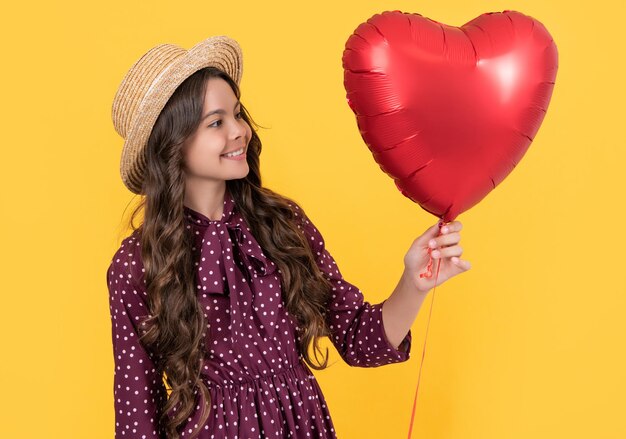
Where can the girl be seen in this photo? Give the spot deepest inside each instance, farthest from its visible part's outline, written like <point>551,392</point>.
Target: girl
<point>219,293</point>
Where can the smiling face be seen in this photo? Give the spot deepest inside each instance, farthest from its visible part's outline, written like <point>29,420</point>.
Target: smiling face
<point>221,130</point>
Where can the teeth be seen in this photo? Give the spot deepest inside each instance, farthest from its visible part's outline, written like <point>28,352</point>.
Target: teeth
<point>234,153</point>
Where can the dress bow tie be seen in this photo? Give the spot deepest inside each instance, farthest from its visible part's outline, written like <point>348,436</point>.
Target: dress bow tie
<point>232,262</point>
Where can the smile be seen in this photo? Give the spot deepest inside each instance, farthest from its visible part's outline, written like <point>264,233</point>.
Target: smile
<point>234,153</point>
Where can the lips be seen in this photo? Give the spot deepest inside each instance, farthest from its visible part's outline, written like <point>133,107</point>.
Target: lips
<point>236,149</point>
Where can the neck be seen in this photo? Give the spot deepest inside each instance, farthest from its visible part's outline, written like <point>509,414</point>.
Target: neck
<point>206,198</point>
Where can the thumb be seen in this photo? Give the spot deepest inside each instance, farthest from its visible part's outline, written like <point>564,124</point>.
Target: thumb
<point>430,233</point>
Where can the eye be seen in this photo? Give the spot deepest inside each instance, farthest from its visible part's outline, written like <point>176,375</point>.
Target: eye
<point>240,114</point>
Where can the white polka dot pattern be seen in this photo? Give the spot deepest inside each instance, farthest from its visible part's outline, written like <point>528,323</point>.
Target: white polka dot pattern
<point>259,385</point>
<point>137,386</point>
<point>230,260</point>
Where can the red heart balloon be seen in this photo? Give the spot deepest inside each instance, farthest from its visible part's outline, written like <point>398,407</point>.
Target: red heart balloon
<point>447,111</point>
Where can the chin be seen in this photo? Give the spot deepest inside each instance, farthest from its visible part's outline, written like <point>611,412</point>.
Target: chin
<point>244,172</point>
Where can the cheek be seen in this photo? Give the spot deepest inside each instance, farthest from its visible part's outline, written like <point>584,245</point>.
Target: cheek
<point>203,155</point>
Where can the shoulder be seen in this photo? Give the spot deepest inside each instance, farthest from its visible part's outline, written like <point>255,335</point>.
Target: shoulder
<point>299,215</point>
<point>125,281</point>
<point>304,223</point>
<point>297,211</point>
<point>126,266</point>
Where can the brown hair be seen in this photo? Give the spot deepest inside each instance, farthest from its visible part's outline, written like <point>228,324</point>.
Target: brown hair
<point>173,330</point>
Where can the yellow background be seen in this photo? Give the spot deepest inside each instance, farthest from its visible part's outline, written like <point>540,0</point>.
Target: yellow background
<point>528,344</point>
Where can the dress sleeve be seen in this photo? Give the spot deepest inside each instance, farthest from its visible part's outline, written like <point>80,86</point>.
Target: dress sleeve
<point>138,388</point>
<point>356,325</point>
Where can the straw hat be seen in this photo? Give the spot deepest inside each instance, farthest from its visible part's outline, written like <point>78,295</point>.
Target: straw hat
<point>149,84</point>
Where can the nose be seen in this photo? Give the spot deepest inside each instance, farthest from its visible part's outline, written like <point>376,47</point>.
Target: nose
<point>239,129</point>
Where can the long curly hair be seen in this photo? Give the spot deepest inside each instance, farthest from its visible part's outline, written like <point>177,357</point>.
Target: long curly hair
<point>173,330</point>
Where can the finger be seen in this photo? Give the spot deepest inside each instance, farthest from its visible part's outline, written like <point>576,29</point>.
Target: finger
<point>465,265</point>
<point>444,240</point>
<point>429,234</point>
<point>446,252</point>
<point>454,226</point>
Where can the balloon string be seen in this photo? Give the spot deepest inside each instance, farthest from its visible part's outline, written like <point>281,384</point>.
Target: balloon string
<point>428,274</point>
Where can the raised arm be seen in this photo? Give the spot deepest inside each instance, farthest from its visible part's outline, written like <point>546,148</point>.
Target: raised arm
<point>357,326</point>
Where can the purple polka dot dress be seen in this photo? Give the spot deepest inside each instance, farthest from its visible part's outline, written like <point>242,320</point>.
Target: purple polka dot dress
<point>258,383</point>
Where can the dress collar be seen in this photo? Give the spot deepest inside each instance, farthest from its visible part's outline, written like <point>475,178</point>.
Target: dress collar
<point>202,220</point>
<point>245,273</point>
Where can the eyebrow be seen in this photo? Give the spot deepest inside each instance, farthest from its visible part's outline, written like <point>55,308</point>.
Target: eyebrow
<point>218,111</point>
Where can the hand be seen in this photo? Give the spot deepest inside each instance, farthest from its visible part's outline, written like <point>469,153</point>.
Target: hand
<point>446,254</point>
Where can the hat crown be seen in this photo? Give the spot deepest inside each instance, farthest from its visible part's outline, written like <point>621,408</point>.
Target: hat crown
<point>138,81</point>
